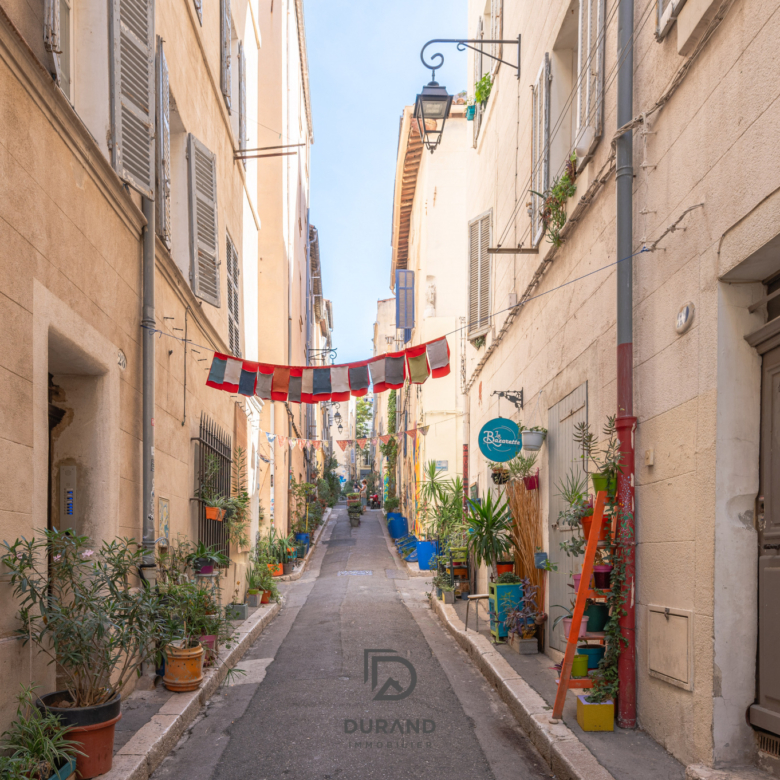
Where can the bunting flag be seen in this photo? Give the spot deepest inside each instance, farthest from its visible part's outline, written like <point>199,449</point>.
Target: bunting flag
<point>270,437</point>
<point>292,442</point>
<point>412,434</point>
<point>343,444</point>
<point>312,385</point>
<point>282,440</point>
<point>317,444</point>
<point>386,438</point>
<point>302,443</point>
<point>361,443</point>
<point>424,430</point>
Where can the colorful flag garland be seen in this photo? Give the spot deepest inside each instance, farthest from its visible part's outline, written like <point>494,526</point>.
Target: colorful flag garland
<point>313,384</point>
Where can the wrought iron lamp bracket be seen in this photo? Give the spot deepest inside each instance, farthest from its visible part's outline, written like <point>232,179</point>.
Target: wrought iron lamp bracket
<point>462,44</point>
<point>513,396</point>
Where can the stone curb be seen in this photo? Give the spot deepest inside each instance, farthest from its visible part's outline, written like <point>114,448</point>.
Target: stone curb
<point>413,568</point>
<point>298,574</point>
<point>701,772</point>
<point>146,750</point>
<point>566,756</point>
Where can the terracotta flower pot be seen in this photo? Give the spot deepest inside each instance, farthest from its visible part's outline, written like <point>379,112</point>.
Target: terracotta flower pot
<point>214,513</point>
<point>92,728</point>
<point>587,522</point>
<point>266,597</point>
<point>287,568</point>
<point>505,567</point>
<point>275,569</point>
<point>184,668</point>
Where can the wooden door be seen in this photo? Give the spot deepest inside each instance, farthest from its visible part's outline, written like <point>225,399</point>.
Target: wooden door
<point>563,455</point>
<point>765,714</point>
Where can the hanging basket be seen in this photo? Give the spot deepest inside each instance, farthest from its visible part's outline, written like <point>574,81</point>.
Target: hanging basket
<point>531,482</point>
<point>532,440</point>
<point>214,513</point>
<point>500,476</point>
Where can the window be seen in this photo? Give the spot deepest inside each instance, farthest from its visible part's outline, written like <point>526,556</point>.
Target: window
<point>226,38</point>
<point>668,11</point>
<point>204,253</point>
<point>242,136</point>
<point>478,73</point>
<point>540,148</point>
<point>479,276</point>
<point>404,301</point>
<point>133,92</point>
<point>494,12</point>
<point>234,305</point>
<point>163,119</point>
<point>590,78</point>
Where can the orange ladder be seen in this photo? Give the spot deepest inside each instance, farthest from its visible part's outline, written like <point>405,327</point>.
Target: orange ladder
<point>584,592</point>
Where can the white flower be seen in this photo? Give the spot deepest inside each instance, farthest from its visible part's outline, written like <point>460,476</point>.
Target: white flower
<point>87,553</point>
<point>57,557</point>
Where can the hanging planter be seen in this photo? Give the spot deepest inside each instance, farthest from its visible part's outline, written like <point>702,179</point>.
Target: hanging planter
<point>470,111</point>
<point>500,476</point>
<point>533,438</point>
<point>531,482</point>
<point>215,513</point>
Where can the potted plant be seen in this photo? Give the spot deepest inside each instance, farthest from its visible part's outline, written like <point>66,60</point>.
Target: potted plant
<point>254,591</point>
<point>82,608</point>
<point>491,527</point>
<point>471,108</point>
<point>520,621</point>
<point>286,553</point>
<point>36,744</point>
<point>522,467</point>
<point>215,502</point>
<point>533,438</point>
<point>606,460</point>
<point>203,559</point>
<point>499,473</point>
<point>482,89</point>
<point>567,617</point>
<point>573,490</point>
<point>505,594</point>
<point>237,609</point>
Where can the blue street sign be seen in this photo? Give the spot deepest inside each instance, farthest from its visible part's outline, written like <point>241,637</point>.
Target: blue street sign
<point>499,440</point>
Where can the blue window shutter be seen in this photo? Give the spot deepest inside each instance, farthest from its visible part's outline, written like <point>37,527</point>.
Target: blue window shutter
<point>404,300</point>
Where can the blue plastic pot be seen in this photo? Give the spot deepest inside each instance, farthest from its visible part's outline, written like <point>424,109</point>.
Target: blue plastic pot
<point>540,559</point>
<point>426,551</point>
<point>302,538</point>
<point>397,525</point>
<point>65,771</point>
<point>594,652</point>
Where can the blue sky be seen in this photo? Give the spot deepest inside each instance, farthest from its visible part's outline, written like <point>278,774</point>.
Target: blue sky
<point>364,67</point>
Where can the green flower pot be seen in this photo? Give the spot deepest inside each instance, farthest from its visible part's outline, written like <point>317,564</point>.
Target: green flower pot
<point>579,667</point>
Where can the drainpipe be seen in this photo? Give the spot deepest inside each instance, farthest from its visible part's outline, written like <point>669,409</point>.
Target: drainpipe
<point>626,422</point>
<point>148,323</point>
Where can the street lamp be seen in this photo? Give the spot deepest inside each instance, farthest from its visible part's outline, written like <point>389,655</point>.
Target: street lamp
<point>432,106</point>
<point>431,110</point>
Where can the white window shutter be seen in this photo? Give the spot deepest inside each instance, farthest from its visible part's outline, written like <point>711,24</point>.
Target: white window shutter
<point>242,138</point>
<point>234,307</point>
<point>204,245</point>
<point>199,10</point>
<point>479,276</point>
<point>590,78</point>
<point>540,148</point>
<point>478,59</point>
<point>51,32</point>
<point>132,92</point>
<point>496,28</point>
<point>404,299</point>
<point>163,146</point>
<point>226,35</point>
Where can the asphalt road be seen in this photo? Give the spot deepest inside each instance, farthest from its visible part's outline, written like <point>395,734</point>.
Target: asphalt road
<point>305,710</point>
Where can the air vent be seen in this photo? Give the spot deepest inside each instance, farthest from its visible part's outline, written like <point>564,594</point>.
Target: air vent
<point>768,743</point>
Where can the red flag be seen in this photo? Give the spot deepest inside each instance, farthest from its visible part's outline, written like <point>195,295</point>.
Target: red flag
<point>386,438</point>
<point>361,443</point>
<point>412,434</point>
<point>343,444</point>
<point>317,444</point>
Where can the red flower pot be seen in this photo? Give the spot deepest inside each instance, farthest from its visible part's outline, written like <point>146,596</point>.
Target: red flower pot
<point>507,567</point>
<point>532,482</point>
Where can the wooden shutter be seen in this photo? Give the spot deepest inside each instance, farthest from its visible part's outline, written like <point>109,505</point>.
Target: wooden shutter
<point>163,146</point>
<point>204,252</point>
<point>540,148</point>
<point>479,276</point>
<point>478,59</point>
<point>226,34</point>
<point>590,77</point>
<point>234,307</point>
<point>404,299</point>
<point>132,92</point>
<point>496,28</point>
<point>51,32</point>
<point>241,98</point>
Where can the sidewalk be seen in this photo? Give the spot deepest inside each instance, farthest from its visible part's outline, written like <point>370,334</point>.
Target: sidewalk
<point>153,721</point>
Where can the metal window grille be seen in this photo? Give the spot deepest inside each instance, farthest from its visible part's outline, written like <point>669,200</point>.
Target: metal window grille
<point>212,440</point>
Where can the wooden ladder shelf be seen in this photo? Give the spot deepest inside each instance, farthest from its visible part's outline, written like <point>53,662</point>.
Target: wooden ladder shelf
<point>584,592</point>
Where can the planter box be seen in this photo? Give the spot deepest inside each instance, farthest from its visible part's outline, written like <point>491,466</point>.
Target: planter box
<point>524,646</point>
<point>595,717</point>
<point>448,596</point>
<point>502,597</point>
<point>253,599</point>
<point>354,521</point>
<point>66,771</point>
<point>236,611</point>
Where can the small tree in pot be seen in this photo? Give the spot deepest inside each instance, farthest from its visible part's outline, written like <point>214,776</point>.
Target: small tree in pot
<point>491,527</point>
<point>80,607</point>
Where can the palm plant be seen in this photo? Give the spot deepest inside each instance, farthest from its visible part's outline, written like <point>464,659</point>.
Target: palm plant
<point>491,528</point>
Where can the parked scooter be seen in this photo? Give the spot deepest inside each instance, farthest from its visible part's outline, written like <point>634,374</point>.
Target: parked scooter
<point>374,501</point>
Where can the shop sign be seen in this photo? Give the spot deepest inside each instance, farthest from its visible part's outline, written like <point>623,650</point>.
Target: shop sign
<point>499,440</point>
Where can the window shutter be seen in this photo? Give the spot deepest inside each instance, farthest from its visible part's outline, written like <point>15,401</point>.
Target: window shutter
<point>199,10</point>
<point>133,93</point>
<point>404,300</point>
<point>479,276</point>
<point>590,77</point>
<point>234,308</point>
<point>540,148</point>
<point>496,27</point>
<point>51,32</point>
<point>478,59</point>
<point>163,146</point>
<point>204,252</point>
<point>241,98</point>
<point>226,30</point>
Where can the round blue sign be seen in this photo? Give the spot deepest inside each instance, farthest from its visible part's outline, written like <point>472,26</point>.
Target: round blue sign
<point>499,440</point>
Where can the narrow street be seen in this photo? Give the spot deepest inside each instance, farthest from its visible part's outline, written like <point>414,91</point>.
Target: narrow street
<point>303,687</point>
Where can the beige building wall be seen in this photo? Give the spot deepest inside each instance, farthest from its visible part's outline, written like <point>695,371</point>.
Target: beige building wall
<point>696,394</point>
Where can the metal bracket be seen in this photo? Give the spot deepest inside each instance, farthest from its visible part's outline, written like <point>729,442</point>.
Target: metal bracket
<point>462,45</point>
<point>321,353</point>
<point>513,396</point>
